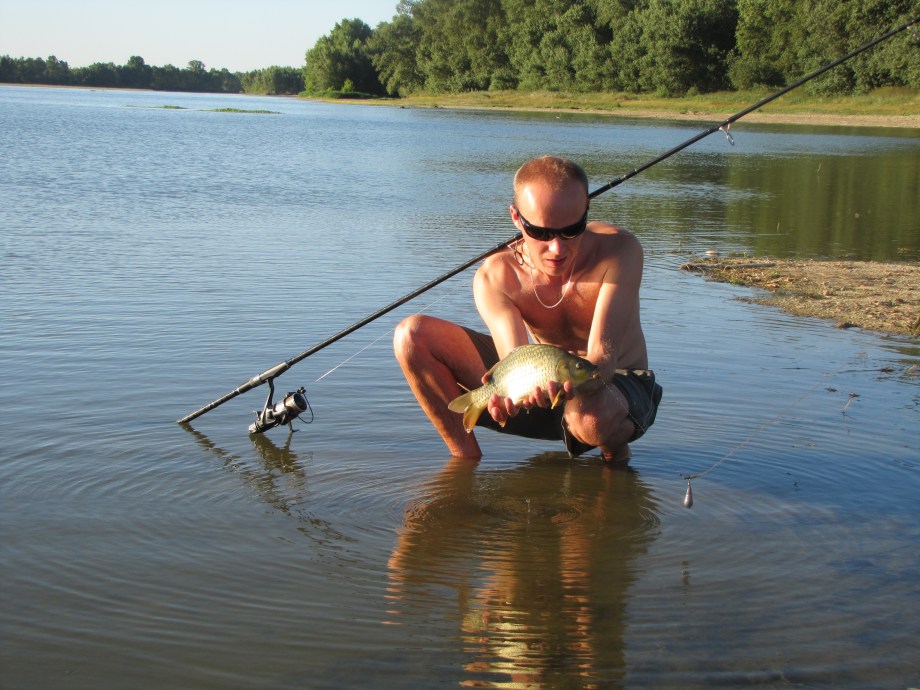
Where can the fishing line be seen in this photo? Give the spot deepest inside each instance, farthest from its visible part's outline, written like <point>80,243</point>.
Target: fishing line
<point>375,341</point>
<point>688,497</point>
<point>348,359</point>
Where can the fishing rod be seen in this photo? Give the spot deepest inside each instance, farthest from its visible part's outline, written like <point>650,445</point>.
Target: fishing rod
<point>295,403</point>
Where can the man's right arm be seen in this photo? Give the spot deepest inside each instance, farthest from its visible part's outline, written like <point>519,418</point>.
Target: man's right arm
<point>504,320</point>
<point>500,314</point>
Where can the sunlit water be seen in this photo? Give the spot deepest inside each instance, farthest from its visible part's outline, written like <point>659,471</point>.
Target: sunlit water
<point>154,259</point>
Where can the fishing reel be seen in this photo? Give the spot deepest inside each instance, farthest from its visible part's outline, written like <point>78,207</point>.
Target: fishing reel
<point>284,411</point>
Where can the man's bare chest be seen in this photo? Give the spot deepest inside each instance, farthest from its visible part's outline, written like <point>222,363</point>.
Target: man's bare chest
<point>566,324</point>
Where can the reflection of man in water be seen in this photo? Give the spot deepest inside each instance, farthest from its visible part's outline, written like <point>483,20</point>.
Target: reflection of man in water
<point>568,283</point>
<point>538,560</point>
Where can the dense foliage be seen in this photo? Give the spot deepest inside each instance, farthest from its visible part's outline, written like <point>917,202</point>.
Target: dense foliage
<point>342,60</point>
<point>273,80</point>
<point>667,47</point>
<point>135,74</point>
<point>664,47</point>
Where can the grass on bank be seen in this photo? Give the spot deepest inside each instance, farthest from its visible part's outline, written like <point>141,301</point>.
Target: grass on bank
<point>889,101</point>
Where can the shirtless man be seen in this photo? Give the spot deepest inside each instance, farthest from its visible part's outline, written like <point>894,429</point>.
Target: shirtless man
<point>567,282</point>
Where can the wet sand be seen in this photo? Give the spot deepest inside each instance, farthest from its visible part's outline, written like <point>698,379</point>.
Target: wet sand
<point>879,296</point>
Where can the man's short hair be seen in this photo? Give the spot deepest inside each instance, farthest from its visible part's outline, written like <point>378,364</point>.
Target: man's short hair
<point>552,170</point>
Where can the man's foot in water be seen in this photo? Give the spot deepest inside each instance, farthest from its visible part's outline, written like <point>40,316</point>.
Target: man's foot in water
<point>617,458</point>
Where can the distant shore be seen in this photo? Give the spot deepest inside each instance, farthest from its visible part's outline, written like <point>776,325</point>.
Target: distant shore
<point>892,108</point>
<point>895,108</point>
<point>816,119</point>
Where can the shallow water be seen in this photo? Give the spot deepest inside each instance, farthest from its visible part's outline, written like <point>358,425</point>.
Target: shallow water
<point>155,259</point>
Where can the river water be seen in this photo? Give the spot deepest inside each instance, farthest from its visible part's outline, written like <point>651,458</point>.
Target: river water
<point>155,258</point>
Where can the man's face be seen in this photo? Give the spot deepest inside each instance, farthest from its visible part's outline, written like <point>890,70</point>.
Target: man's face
<point>540,205</point>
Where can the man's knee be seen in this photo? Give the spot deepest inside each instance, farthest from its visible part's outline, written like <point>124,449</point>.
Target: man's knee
<point>416,335</point>
<point>600,427</point>
<point>406,336</point>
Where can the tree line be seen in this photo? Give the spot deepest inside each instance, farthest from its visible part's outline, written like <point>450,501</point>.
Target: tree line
<point>665,47</point>
<point>137,74</point>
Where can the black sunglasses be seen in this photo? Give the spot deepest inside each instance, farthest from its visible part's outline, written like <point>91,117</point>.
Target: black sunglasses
<point>541,234</point>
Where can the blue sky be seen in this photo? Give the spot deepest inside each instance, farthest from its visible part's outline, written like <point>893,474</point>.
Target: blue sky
<point>240,35</point>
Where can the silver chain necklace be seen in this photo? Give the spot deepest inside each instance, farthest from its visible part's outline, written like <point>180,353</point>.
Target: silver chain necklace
<point>565,289</point>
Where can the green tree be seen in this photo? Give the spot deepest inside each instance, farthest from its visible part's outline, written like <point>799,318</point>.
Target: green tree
<point>559,45</point>
<point>56,71</point>
<point>8,70</point>
<point>273,80</point>
<point>393,48</point>
<point>194,77</point>
<point>895,62</point>
<point>229,82</point>
<point>99,74</point>
<point>32,71</point>
<point>343,54</point>
<point>459,44</point>
<point>166,78</point>
<point>779,41</point>
<point>628,54</point>
<point>765,43</point>
<point>136,73</point>
<point>686,43</point>
<point>833,28</point>
<point>610,13</point>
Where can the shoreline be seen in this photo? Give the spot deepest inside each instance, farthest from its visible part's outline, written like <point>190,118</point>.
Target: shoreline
<point>884,108</point>
<point>873,295</point>
<point>624,109</point>
<point>805,118</point>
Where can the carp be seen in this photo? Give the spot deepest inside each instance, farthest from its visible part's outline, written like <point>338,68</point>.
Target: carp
<point>515,377</point>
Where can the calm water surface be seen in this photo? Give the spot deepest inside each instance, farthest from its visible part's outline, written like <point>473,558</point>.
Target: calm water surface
<point>154,259</point>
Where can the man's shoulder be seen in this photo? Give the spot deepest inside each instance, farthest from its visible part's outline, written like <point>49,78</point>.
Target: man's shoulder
<point>610,231</point>
<point>613,242</point>
<point>498,268</point>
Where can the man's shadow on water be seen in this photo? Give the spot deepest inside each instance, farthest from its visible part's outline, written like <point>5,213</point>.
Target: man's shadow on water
<point>536,560</point>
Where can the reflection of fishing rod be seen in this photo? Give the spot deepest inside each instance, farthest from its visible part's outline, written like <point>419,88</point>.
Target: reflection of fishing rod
<point>294,403</point>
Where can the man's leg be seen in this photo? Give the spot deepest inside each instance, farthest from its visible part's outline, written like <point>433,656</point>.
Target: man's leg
<point>601,418</point>
<point>435,355</point>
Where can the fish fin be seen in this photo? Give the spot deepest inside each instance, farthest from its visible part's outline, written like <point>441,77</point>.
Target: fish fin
<point>556,400</point>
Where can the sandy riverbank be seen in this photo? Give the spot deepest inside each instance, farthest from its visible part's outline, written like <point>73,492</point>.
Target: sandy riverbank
<point>784,118</point>
<point>879,296</point>
<point>895,108</point>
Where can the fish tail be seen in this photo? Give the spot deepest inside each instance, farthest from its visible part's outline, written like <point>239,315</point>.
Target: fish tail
<point>470,407</point>
<point>460,404</point>
<point>472,415</point>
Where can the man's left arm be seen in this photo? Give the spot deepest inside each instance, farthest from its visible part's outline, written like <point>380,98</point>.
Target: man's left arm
<point>617,307</point>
